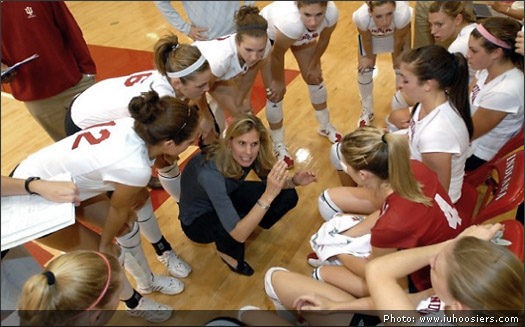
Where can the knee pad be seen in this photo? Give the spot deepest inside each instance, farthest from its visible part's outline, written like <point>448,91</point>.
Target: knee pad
<point>398,101</point>
<point>335,156</point>
<point>317,93</point>
<point>366,77</point>
<point>131,239</point>
<point>327,207</point>
<point>169,178</point>
<point>274,111</point>
<point>268,286</point>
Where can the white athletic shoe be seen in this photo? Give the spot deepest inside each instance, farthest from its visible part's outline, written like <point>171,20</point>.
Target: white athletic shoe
<point>164,284</point>
<point>150,310</point>
<point>281,152</point>
<point>330,132</point>
<point>365,118</point>
<point>176,266</point>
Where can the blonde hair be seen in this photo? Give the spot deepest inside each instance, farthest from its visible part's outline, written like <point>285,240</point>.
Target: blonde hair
<point>485,276</point>
<point>221,152</point>
<point>453,9</point>
<point>79,279</point>
<point>385,155</point>
<point>172,56</point>
<point>248,22</point>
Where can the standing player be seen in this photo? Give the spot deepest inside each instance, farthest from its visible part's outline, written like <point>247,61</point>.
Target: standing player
<point>235,61</point>
<point>117,156</point>
<point>305,27</point>
<point>384,27</point>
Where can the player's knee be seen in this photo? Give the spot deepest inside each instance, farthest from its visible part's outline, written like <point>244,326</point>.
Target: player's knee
<point>274,111</point>
<point>318,94</point>
<point>327,207</point>
<point>335,156</point>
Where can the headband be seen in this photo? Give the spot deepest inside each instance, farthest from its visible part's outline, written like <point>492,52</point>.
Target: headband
<point>188,70</point>
<point>491,38</point>
<point>104,290</point>
<point>252,27</point>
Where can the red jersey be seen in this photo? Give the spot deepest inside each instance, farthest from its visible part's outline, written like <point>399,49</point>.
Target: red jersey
<point>404,224</point>
<point>48,29</point>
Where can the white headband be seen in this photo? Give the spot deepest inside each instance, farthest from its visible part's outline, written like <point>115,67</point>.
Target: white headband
<point>188,70</point>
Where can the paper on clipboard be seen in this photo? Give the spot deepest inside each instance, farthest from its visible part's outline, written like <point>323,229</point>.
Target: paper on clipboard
<point>28,217</point>
<point>18,64</point>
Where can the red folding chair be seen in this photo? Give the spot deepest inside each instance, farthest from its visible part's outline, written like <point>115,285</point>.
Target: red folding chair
<point>504,193</point>
<point>514,232</point>
<point>476,176</point>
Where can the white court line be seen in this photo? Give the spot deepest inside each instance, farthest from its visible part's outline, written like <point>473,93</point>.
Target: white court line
<point>8,95</point>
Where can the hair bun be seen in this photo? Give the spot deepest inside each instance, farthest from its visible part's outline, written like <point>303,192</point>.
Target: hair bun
<point>144,108</point>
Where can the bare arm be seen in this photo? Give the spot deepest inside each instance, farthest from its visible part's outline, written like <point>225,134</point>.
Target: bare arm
<point>275,182</point>
<point>441,164</point>
<point>401,43</point>
<point>280,46</point>
<point>50,190</point>
<point>485,120</point>
<point>366,62</point>
<point>322,43</point>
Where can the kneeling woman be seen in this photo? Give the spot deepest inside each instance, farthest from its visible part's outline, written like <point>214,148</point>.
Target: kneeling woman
<point>218,205</point>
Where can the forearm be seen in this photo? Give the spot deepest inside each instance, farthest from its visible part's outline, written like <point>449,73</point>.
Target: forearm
<point>366,41</point>
<point>246,225</point>
<point>166,9</point>
<point>13,186</point>
<point>277,67</point>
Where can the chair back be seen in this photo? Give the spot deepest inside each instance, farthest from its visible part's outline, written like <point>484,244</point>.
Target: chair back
<point>504,193</point>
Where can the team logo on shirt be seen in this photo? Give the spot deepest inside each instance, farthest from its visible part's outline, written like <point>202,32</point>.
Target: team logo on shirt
<point>29,12</point>
<point>308,37</point>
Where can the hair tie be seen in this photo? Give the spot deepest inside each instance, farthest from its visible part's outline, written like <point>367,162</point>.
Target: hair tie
<point>491,38</point>
<point>50,277</point>
<point>188,70</point>
<point>252,27</point>
<point>383,138</point>
<point>175,47</point>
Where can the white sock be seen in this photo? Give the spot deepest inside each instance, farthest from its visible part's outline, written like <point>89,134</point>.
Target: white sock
<point>277,135</point>
<point>149,226</point>
<point>323,117</point>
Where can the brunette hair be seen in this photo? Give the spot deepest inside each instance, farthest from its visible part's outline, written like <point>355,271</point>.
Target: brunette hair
<point>453,9</point>
<point>450,70</point>
<point>504,29</point>
<point>160,119</point>
<point>248,22</point>
<point>172,56</point>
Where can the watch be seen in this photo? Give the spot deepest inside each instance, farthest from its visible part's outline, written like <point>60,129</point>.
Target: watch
<point>26,184</point>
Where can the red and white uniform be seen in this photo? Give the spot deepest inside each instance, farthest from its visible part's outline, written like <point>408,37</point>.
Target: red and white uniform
<point>404,224</point>
<point>223,57</point>
<point>383,40</point>
<point>96,157</point>
<point>285,17</point>
<point>442,130</point>
<point>108,100</point>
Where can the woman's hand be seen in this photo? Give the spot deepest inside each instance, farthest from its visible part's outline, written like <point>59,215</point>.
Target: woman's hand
<point>313,302</point>
<point>484,232</point>
<point>315,74</point>
<point>277,91</point>
<point>302,178</point>
<point>276,179</point>
<point>365,64</point>
<point>56,191</point>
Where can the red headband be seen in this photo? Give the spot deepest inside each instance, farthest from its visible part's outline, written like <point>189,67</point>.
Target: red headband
<point>491,38</point>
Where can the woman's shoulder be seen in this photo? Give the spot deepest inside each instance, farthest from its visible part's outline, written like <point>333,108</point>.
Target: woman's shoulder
<point>361,18</point>
<point>402,14</point>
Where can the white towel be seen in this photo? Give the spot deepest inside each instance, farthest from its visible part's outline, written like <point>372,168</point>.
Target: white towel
<point>328,241</point>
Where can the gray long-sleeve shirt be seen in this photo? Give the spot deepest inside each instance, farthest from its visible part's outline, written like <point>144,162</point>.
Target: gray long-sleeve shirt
<point>216,16</point>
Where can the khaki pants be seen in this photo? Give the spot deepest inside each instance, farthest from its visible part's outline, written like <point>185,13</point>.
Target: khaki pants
<point>50,113</point>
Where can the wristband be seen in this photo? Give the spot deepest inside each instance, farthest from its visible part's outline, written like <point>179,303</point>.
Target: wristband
<point>263,206</point>
<point>26,185</point>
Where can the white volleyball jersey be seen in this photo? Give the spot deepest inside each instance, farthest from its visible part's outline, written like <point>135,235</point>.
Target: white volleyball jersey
<point>285,17</point>
<point>460,44</point>
<point>108,100</point>
<point>95,157</point>
<point>223,57</point>
<point>442,130</point>
<point>383,40</point>
<point>504,93</point>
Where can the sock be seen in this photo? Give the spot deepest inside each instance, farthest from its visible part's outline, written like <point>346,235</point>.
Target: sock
<point>134,258</point>
<point>149,227</point>
<point>161,246</point>
<point>277,135</point>
<point>365,82</point>
<point>323,117</point>
<point>133,301</point>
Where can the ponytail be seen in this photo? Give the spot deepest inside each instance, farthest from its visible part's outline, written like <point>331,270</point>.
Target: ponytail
<point>385,155</point>
<point>458,91</point>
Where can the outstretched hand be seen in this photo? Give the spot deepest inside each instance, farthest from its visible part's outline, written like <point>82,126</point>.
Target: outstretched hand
<point>302,178</point>
<point>484,232</point>
<point>276,179</point>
